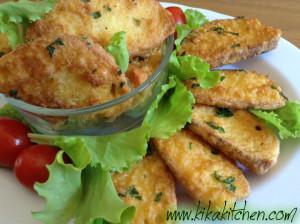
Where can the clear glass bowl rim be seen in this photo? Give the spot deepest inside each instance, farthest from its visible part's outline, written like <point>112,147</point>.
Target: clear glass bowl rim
<point>78,111</point>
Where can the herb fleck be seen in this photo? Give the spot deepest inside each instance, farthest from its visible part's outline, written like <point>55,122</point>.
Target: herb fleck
<point>222,78</point>
<point>140,58</point>
<point>132,191</point>
<point>137,22</point>
<point>258,128</point>
<point>224,112</point>
<point>149,150</point>
<point>190,146</point>
<point>221,31</point>
<point>86,1</point>
<point>122,84</point>
<point>96,15</point>
<point>215,152</point>
<point>158,197</point>
<point>51,48</point>
<point>195,85</point>
<point>119,72</point>
<point>215,126</point>
<point>107,8</point>
<point>274,87</point>
<point>236,45</point>
<point>284,96</point>
<point>229,181</point>
<point>13,93</point>
<point>121,195</point>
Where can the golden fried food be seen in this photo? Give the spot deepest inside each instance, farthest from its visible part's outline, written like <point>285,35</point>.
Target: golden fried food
<point>240,90</point>
<point>146,23</point>
<point>149,187</point>
<point>4,44</point>
<point>239,135</point>
<point>207,175</point>
<point>141,68</point>
<point>61,72</point>
<point>228,41</point>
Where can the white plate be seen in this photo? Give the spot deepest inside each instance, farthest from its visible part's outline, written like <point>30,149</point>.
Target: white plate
<point>278,190</point>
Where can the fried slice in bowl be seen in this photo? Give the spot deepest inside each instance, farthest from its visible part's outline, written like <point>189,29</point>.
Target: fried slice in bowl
<point>228,41</point>
<point>146,23</point>
<point>207,175</point>
<point>141,68</point>
<point>62,72</point>
<point>150,187</point>
<point>240,90</point>
<point>239,135</point>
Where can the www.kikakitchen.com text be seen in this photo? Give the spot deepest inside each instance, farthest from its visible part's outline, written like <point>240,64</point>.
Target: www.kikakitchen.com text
<point>233,213</point>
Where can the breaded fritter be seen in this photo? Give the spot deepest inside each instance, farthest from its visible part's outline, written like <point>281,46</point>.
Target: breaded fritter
<point>4,44</point>
<point>146,23</point>
<point>240,90</point>
<point>142,68</point>
<point>61,72</point>
<point>149,187</point>
<point>200,169</point>
<point>228,41</point>
<point>241,136</point>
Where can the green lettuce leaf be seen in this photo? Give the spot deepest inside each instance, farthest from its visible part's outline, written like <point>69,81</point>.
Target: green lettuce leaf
<point>62,191</point>
<point>12,31</point>
<point>100,199</point>
<point>83,195</point>
<point>116,152</point>
<point>195,19</point>
<point>15,17</point>
<point>8,111</point>
<point>118,49</point>
<point>188,67</point>
<point>285,120</point>
<point>166,116</point>
<point>182,31</point>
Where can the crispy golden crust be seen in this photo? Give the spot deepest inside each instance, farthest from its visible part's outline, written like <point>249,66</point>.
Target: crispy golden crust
<point>100,20</point>
<point>78,74</point>
<point>241,90</point>
<point>228,41</point>
<point>245,138</point>
<point>154,183</point>
<point>141,68</point>
<point>193,163</point>
<point>4,44</point>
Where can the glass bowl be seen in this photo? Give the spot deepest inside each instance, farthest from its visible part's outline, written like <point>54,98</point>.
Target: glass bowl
<point>120,114</point>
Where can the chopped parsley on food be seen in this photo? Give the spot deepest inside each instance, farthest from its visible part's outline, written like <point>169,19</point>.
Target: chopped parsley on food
<point>229,181</point>
<point>215,126</point>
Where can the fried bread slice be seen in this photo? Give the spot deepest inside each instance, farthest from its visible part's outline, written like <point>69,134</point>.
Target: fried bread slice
<point>142,68</point>
<point>239,135</point>
<point>240,90</point>
<point>146,23</point>
<point>150,187</point>
<point>206,174</point>
<point>61,72</point>
<point>4,44</point>
<point>228,41</point>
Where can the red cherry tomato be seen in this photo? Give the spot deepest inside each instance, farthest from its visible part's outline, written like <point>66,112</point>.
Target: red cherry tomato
<point>178,15</point>
<point>30,166</point>
<point>13,139</point>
